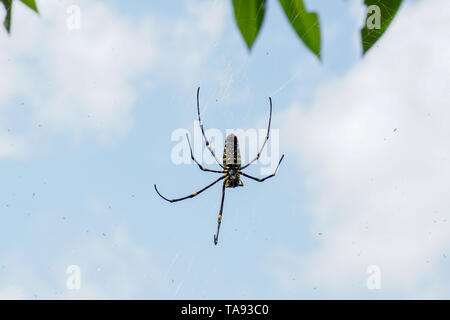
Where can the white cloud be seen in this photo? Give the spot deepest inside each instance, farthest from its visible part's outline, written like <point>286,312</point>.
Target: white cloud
<point>19,279</point>
<point>112,266</point>
<point>190,41</point>
<point>75,81</point>
<point>11,146</point>
<point>85,82</point>
<point>11,293</point>
<point>375,153</point>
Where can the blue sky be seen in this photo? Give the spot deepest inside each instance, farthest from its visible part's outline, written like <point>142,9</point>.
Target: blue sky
<point>86,118</point>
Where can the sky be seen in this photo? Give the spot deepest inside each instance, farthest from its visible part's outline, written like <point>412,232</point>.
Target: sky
<point>92,115</point>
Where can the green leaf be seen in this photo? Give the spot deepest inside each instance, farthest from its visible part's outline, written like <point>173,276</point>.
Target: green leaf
<point>305,23</point>
<point>377,20</point>
<point>31,4</point>
<point>249,15</point>
<point>8,7</point>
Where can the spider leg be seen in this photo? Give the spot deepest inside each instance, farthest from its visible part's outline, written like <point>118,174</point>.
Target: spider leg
<point>262,179</point>
<point>265,140</point>
<point>191,195</point>
<point>203,131</point>
<point>219,218</point>
<point>199,165</point>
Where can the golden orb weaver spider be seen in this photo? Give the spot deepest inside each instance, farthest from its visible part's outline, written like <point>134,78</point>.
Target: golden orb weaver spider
<point>232,169</point>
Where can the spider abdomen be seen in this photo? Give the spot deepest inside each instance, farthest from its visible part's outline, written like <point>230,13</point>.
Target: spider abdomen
<point>232,161</point>
<point>231,153</point>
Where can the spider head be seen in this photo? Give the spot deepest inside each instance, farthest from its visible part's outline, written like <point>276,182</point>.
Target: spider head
<point>234,179</point>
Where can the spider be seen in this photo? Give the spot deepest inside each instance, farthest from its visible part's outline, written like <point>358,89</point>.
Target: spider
<point>232,169</point>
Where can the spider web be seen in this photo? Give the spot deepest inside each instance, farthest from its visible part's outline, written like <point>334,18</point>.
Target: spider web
<point>218,111</point>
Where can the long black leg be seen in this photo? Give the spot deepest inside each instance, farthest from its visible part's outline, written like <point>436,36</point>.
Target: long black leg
<point>203,131</point>
<point>219,218</point>
<point>199,165</point>
<point>265,140</point>
<point>262,179</point>
<point>191,195</point>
